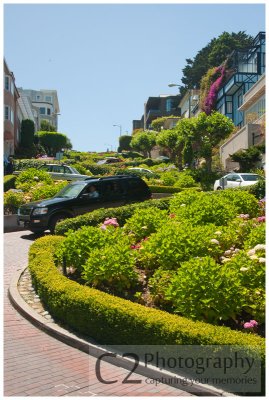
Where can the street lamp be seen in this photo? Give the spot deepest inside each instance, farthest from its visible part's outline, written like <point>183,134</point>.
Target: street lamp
<point>174,84</point>
<point>119,127</point>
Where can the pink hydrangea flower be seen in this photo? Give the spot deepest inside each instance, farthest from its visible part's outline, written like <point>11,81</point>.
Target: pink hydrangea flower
<point>261,219</point>
<point>109,221</point>
<point>251,324</point>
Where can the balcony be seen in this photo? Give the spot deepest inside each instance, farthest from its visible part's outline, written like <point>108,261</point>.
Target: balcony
<point>253,94</point>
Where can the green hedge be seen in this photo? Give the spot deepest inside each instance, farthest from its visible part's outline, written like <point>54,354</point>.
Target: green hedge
<point>112,320</point>
<point>9,182</point>
<point>169,189</point>
<point>94,218</point>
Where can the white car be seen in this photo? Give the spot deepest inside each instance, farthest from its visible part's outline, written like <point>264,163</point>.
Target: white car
<point>234,180</point>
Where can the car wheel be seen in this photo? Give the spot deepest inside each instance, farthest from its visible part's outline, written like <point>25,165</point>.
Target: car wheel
<point>219,188</point>
<point>54,221</point>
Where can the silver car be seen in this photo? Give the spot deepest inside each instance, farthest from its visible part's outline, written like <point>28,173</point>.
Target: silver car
<point>63,172</point>
<point>234,180</point>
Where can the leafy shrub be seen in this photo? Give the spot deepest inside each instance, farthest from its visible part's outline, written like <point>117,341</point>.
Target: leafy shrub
<point>77,246</point>
<point>110,319</point>
<point>82,170</point>
<point>203,289</point>
<point>112,270</point>
<point>204,210</point>
<point>98,216</point>
<point>20,165</point>
<point>44,191</point>
<point>30,177</point>
<point>256,236</point>
<point>145,222</point>
<point>245,202</point>
<point>12,201</point>
<point>176,242</point>
<point>163,189</point>
<point>258,190</point>
<point>9,182</point>
<point>185,181</point>
<point>169,178</point>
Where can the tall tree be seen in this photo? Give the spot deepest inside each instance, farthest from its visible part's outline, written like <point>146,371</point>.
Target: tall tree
<point>27,133</point>
<point>210,130</point>
<point>53,141</point>
<point>144,141</point>
<point>212,55</point>
<point>124,142</point>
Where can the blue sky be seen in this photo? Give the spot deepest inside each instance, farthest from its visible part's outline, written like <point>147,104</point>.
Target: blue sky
<point>105,60</point>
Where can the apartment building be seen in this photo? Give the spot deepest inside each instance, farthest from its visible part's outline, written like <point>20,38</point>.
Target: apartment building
<point>11,120</point>
<point>252,131</point>
<point>42,104</point>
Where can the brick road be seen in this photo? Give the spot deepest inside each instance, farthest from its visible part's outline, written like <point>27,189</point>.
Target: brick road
<point>36,364</point>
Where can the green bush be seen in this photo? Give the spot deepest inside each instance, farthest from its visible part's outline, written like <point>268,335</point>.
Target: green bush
<point>45,191</point>
<point>168,189</point>
<point>245,202</point>
<point>30,177</point>
<point>12,201</point>
<point>176,242</point>
<point>77,246</point>
<point>169,178</point>
<point>9,182</point>
<point>145,222</point>
<point>205,290</point>
<point>256,236</point>
<point>185,181</point>
<point>20,165</point>
<point>112,320</point>
<point>258,190</point>
<point>96,217</point>
<point>111,270</point>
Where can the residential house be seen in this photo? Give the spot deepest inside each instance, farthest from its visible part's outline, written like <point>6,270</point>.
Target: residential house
<point>252,132</point>
<point>189,104</point>
<point>44,105</point>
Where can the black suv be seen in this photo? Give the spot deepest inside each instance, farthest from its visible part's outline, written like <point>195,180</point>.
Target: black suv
<point>81,197</point>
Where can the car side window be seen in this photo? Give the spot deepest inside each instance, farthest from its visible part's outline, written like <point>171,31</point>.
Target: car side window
<point>44,168</point>
<point>229,177</point>
<point>67,170</point>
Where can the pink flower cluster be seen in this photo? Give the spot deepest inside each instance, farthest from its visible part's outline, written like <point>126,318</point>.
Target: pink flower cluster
<point>110,221</point>
<point>213,91</point>
<point>261,219</point>
<point>244,216</point>
<point>251,324</point>
<point>138,245</point>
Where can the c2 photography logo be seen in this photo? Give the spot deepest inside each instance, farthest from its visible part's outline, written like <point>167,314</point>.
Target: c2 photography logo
<point>227,368</point>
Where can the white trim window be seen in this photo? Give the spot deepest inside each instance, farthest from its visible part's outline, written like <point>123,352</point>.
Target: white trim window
<point>9,114</point>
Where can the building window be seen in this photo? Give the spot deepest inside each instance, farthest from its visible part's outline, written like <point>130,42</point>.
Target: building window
<point>240,99</point>
<point>229,107</point>
<point>12,116</point>
<point>48,111</point>
<point>6,112</point>
<point>12,87</point>
<point>169,105</point>
<point>48,99</point>
<point>37,97</point>
<point>7,83</point>
<point>42,110</point>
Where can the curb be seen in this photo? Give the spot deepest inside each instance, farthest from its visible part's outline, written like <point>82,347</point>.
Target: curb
<point>93,349</point>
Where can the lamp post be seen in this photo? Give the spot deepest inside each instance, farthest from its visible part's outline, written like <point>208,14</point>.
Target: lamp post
<point>174,84</point>
<point>119,127</point>
<point>179,86</point>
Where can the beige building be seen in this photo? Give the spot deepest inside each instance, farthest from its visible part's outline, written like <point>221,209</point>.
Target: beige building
<point>252,133</point>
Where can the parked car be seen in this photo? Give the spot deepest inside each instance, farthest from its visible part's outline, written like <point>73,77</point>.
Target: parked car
<point>146,171</point>
<point>234,180</point>
<point>109,160</point>
<point>76,198</point>
<point>62,172</point>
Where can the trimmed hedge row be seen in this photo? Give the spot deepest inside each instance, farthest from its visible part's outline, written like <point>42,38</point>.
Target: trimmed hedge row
<point>169,189</point>
<point>9,182</point>
<point>112,320</point>
<point>94,218</point>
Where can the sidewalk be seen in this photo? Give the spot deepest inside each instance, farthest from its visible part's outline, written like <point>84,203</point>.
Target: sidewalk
<point>36,364</point>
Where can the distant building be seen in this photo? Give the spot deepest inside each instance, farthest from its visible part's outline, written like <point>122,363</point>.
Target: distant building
<point>189,104</point>
<point>11,121</point>
<point>44,105</point>
<point>157,107</point>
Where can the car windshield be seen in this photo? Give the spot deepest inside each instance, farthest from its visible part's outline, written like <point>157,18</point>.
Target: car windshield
<point>71,191</point>
<point>74,170</point>
<point>251,177</point>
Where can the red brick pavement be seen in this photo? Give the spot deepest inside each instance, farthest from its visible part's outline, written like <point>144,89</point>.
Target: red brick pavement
<point>36,364</point>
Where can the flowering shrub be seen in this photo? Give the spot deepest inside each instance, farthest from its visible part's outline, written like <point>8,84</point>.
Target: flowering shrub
<point>30,177</point>
<point>176,242</point>
<point>203,289</point>
<point>244,202</point>
<point>210,85</point>
<point>145,222</point>
<point>111,268</point>
<point>256,236</point>
<point>77,246</point>
<point>110,222</point>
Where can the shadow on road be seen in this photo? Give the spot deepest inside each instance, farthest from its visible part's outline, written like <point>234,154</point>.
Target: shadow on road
<point>33,236</point>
